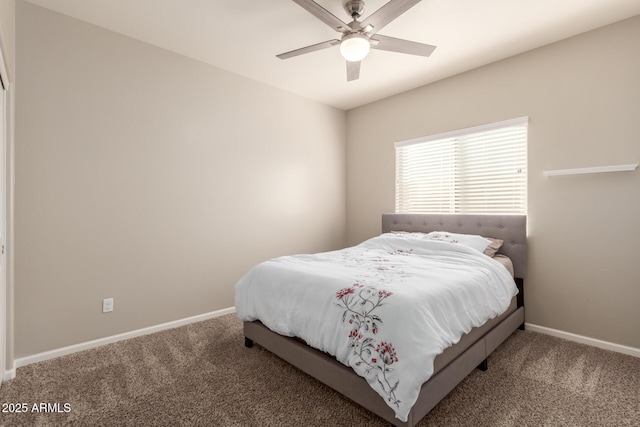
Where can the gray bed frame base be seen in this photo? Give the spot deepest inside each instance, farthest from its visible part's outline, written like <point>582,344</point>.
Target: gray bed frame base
<point>479,344</point>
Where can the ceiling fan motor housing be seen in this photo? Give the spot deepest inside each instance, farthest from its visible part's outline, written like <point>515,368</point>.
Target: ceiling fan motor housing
<point>354,8</point>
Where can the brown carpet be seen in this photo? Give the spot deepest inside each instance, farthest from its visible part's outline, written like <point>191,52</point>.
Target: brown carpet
<point>202,375</point>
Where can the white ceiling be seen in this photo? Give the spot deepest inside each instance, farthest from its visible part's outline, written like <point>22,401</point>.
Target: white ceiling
<point>244,36</point>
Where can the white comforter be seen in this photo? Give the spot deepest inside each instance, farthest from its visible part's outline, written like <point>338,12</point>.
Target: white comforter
<point>386,307</point>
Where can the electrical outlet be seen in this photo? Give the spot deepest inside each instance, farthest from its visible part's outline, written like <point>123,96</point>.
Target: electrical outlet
<point>107,305</point>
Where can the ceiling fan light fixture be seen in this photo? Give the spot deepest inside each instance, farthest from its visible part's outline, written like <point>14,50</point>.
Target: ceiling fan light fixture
<point>355,47</point>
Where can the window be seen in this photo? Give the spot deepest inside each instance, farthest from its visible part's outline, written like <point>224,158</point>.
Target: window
<point>479,170</point>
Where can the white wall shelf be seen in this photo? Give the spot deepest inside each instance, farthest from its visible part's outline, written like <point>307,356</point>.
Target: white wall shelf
<point>597,169</point>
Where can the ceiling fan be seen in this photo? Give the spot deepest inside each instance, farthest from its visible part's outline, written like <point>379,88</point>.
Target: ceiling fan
<point>360,36</point>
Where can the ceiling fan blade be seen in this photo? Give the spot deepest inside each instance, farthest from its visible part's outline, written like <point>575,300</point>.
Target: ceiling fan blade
<point>393,44</point>
<point>323,14</point>
<point>387,13</point>
<point>308,49</point>
<point>353,70</point>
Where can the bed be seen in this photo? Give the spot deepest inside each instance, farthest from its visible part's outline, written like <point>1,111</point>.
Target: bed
<point>456,361</point>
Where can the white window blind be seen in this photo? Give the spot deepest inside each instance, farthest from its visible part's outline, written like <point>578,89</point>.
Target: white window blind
<point>480,170</point>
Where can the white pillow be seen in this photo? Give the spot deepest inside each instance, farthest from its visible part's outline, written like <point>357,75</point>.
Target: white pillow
<point>476,242</point>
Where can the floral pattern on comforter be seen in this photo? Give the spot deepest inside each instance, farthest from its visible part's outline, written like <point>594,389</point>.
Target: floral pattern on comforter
<point>372,356</point>
<point>386,307</point>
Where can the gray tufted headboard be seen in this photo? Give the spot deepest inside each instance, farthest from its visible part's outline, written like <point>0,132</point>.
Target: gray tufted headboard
<point>510,228</point>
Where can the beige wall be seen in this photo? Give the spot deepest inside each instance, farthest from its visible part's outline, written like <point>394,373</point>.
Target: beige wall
<point>582,96</point>
<point>154,179</point>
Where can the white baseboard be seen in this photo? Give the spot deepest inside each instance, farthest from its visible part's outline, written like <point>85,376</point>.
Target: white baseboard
<point>23,361</point>
<point>9,374</point>
<point>631,351</point>
<point>27,360</point>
